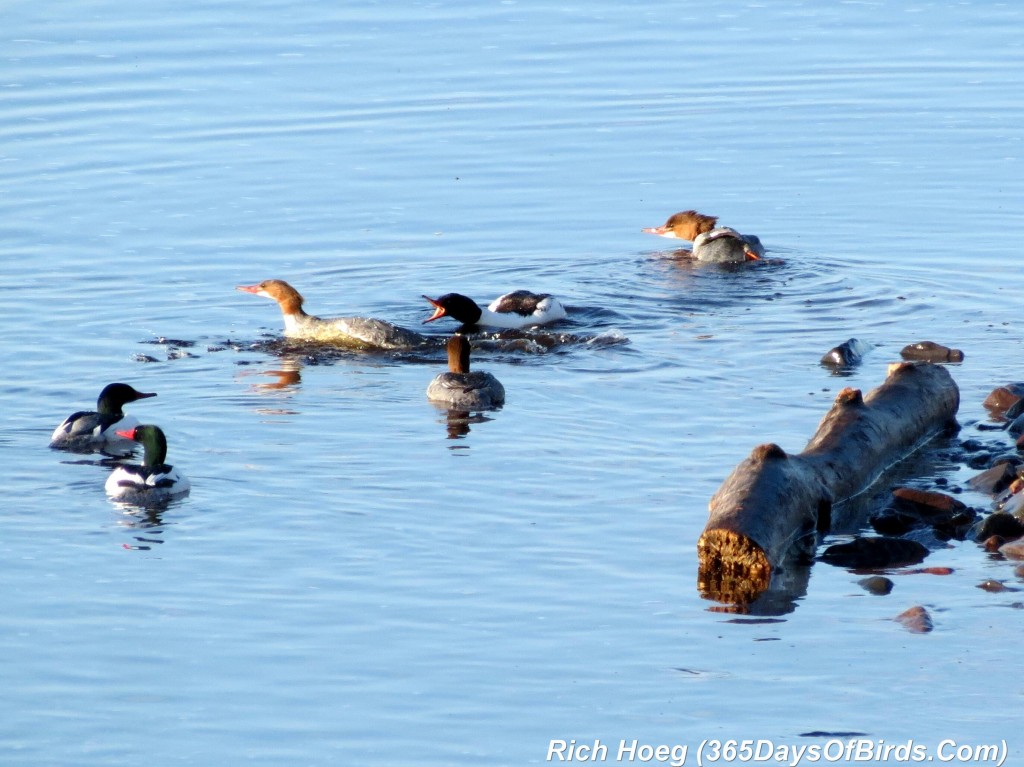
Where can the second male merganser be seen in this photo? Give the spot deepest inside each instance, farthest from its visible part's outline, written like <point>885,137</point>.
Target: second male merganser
<point>461,389</point>
<point>152,482</point>
<point>357,332</point>
<point>96,429</point>
<point>519,309</point>
<point>717,244</point>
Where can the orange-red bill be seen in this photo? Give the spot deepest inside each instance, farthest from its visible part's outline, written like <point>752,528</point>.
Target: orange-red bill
<point>439,311</point>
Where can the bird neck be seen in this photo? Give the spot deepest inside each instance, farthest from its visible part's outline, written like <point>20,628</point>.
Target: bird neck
<point>458,355</point>
<point>154,450</point>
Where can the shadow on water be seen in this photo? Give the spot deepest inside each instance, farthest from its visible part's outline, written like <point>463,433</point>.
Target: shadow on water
<point>145,523</point>
<point>458,422</point>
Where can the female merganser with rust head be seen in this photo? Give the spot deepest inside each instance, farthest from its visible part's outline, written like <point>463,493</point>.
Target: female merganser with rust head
<point>357,332</point>
<point>461,389</point>
<point>519,309</point>
<point>716,244</point>
<point>152,482</point>
<point>97,429</point>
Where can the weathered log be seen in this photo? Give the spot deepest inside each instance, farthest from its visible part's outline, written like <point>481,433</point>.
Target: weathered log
<point>772,503</point>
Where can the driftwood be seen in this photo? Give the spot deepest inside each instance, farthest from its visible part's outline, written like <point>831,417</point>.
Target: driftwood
<point>772,503</point>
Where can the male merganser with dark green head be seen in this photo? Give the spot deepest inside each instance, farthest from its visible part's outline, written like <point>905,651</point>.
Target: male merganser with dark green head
<point>711,243</point>
<point>459,388</point>
<point>519,309</point>
<point>96,429</point>
<point>355,332</point>
<point>154,480</point>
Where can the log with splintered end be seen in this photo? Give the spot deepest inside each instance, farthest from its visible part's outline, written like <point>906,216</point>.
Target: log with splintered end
<point>772,502</point>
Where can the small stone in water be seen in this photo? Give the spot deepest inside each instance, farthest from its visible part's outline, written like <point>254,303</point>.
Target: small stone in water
<point>916,620</point>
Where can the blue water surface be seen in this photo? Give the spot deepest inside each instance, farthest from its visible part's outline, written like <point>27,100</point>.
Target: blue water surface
<point>358,578</point>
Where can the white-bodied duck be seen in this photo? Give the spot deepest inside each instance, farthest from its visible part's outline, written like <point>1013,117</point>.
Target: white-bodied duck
<point>518,309</point>
<point>97,429</point>
<point>711,243</point>
<point>356,332</point>
<point>461,389</point>
<point>152,482</point>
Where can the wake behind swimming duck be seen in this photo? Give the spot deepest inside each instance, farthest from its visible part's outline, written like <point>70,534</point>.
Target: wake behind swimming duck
<point>459,388</point>
<point>518,309</point>
<point>152,482</point>
<point>88,430</point>
<point>711,243</point>
<point>353,332</point>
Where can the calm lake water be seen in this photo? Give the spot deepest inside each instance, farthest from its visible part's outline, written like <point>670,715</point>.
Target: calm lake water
<point>351,583</point>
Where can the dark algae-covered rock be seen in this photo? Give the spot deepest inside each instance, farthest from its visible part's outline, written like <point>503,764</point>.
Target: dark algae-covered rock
<point>1002,524</point>
<point>847,354</point>
<point>911,508</point>
<point>874,553</point>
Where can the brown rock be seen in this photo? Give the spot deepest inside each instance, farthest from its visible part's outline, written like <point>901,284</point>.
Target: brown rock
<point>929,571</point>
<point>993,542</point>
<point>1013,549</point>
<point>1003,397</point>
<point>916,620</point>
<point>928,502</point>
<point>911,507</point>
<point>994,480</point>
<point>929,351</point>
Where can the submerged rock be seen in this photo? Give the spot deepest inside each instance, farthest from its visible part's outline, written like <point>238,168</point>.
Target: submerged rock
<point>878,585</point>
<point>993,586</point>
<point>916,619</point>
